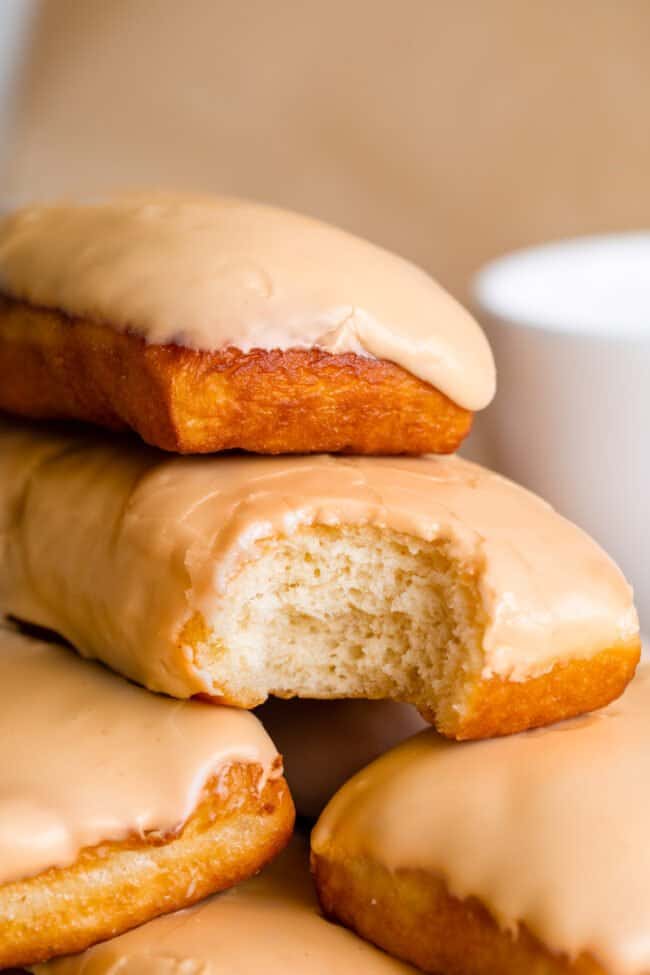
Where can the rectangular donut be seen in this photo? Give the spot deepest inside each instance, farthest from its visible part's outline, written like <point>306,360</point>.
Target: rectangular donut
<point>209,323</point>
<point>118,805</point>
<point>522,855</point>
<point>430,581</point>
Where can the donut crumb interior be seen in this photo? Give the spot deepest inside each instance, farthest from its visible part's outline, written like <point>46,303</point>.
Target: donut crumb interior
<point>348,612</point>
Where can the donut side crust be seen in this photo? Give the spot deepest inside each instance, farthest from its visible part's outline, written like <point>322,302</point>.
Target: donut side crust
<point>296,401</point>
<point>234,831</point>
<point>497,706</point>
<point>412,915</point>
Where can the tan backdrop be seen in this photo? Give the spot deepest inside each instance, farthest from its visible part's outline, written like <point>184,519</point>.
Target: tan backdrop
<point>450,131</point>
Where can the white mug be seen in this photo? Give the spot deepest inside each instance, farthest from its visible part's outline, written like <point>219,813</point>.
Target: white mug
<point>569,323</point>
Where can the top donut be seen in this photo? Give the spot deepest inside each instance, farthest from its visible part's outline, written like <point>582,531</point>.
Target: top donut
<point>212,323</point>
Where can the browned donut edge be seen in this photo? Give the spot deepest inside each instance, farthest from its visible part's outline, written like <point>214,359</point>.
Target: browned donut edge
<point>412,915</point>
<point>497,706</point>
<point>234,831</point>
<point>296,401</point>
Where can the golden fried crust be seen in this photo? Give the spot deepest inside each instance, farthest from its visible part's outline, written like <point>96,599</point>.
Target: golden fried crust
<point>297,401</point>
<point>501,707</point>
<point>234,831</point>
<point>411,915</point>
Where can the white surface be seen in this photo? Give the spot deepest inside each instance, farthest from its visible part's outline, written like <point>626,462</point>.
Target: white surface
<point>570,328</point>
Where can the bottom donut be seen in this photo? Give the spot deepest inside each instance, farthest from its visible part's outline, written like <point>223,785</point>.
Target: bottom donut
<point>233,833</point>
<point>518,856</point>
<point>118,805</point>
<point>270,924</point>
<point>413,916</point>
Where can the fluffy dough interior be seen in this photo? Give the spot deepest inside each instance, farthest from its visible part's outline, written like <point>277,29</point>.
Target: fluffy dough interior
<point>348,612</point>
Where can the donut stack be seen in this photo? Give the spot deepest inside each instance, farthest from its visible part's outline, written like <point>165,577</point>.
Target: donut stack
<point>318,539</point>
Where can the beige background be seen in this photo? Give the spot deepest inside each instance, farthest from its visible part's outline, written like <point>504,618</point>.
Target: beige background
<point>449,131</point>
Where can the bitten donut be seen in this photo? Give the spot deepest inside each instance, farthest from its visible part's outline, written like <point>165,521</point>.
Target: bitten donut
<point>209,323</point>
<point>429,581</point>
<point>505,857</point>
<point>270,924</point>
<point>117,805</point>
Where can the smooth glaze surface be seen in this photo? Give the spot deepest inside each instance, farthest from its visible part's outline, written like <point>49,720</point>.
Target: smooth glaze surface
<point>212,272</point>
<point>548,828</point>
<point>88,757</point>
<point>117,546</point>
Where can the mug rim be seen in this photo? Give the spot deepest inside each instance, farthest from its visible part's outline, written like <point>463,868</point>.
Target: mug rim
<point>490,283</point>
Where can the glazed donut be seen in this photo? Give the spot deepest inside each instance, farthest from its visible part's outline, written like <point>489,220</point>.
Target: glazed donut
<point>323,743</point>
<point>429,581</point>
<point>117,805</point>
<point>506,857</point>
<point>209,323</point>
<point>270,924</point>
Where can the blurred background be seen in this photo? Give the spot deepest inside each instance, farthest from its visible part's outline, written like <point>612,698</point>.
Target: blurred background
<point>450,131</point>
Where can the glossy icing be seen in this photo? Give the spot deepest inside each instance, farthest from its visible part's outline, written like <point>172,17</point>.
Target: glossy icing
<point>212,272</point>
<point>548,828</point>
<point>117,546</point>
<point>89,757</point>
